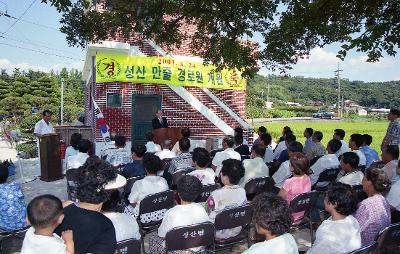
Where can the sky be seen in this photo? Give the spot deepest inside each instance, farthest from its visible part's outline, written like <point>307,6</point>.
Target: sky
<point>34,42</point>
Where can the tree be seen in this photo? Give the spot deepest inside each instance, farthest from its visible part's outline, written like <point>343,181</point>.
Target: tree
<point>4,89</point>
<point>289,28</point>
<point>14,106</point>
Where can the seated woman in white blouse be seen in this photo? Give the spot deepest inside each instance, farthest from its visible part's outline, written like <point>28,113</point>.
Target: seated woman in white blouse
<point>72,149</point>
<point>340,233</point>
<point>125,225</point>
<point>185,214</point>
<point>273,220</point>
<point>229,196</point>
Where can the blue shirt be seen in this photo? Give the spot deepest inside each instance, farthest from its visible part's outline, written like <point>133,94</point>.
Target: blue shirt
<point>134,168</point>
<point>284,156</point>
<point>370,154</point>
<point>12,207</point>
<point>307,145</point>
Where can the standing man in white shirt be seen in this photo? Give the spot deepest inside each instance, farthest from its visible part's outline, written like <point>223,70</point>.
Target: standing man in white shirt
<point>339,134</point>
<point>43,127</point>
<point>227,144</point>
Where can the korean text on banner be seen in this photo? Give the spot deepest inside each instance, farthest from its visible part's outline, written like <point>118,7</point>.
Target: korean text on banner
<point>165,71</point>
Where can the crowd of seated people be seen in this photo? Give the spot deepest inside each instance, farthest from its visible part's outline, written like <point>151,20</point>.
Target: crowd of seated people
<point>101,215</point>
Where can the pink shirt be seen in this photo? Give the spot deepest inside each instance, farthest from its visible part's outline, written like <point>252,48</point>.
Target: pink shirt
<point>295,186</point>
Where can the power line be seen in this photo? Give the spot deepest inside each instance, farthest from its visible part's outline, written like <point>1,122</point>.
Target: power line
<point>41,52</point>
<point>18,19</point>
<point>5,14</point>
<point>32,43</point>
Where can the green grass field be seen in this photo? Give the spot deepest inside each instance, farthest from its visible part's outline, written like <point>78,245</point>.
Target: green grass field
<point>376,129</point>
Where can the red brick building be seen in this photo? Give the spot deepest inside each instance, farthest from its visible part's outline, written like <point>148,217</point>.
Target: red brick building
<point>126,106</point>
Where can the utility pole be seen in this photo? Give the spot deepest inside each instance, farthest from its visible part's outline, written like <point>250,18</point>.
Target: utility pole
<point>62,102</point>
<point>268,92</point>
<point>339,107</point>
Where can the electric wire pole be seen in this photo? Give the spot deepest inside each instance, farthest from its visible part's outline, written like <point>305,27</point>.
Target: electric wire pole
<point>339,108</point>
<point>62,103</point>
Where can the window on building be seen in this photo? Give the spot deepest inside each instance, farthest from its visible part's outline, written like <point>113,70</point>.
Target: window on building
<point>114,100</point>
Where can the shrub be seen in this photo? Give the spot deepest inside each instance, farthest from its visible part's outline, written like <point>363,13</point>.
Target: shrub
<point>28,123</point>
<point>277,113</point>
<point>29,148</point>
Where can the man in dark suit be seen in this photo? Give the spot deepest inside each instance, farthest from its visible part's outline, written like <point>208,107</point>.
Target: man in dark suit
<point>159,121</point>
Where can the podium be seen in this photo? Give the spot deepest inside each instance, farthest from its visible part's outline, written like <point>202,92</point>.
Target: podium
<point>161,134</point>
<point>50,158</point>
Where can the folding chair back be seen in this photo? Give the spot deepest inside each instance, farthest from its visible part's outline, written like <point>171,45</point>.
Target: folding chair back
<point>207,189</point>
<point>303,202</point>
<point>155,202</point>
<point>233,217</point>
<point>12,238</point>
<point>129,246</point>
<point>389,239</point>
<point>71,175</point>
<point>183,238</point>
<point>258,185</point>
<point>328,175</point>
<point>365,250</point>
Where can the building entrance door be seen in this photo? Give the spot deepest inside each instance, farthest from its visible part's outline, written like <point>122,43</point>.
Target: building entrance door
<point>144,108</point>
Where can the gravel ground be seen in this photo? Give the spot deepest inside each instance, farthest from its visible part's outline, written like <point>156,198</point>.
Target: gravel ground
<point>31,171</point>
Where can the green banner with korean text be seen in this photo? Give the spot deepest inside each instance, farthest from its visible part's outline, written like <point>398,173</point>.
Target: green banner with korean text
<point>165,71</point>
